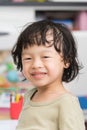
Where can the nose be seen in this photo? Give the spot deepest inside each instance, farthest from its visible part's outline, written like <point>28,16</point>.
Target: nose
<point>37,63</point>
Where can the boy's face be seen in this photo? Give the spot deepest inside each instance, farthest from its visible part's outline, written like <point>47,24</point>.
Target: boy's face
<point>42,65</point>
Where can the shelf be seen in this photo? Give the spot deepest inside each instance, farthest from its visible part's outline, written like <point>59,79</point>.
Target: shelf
<point>50,5</point>
<point>15,15</point>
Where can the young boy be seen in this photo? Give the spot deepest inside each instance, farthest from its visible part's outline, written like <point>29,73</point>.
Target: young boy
<point>47,56</point>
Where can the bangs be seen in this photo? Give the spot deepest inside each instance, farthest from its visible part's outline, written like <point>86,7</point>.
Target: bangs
<point>46,36</point>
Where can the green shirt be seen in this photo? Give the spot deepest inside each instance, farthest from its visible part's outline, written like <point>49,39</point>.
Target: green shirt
<point>63,113</point>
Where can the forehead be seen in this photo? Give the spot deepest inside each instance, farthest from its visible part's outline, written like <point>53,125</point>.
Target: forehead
<point>35,49</point>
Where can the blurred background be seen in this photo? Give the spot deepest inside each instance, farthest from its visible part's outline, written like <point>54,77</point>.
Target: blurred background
<point>14,15</point>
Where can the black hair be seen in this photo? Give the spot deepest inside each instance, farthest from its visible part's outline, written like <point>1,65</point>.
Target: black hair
<point>63,41</point>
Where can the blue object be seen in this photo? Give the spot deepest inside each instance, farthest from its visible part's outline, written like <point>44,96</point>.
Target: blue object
<point>12,76</point>
<point>83,102</point>
<point>68,21</point>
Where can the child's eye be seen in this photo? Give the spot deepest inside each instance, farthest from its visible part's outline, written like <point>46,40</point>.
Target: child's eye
<point>46,57</point>
<point>26,59</point>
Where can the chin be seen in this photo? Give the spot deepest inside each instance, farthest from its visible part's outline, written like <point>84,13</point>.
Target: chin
<point>40,85</point>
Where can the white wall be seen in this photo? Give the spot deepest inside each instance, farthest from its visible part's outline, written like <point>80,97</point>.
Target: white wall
<point>12,19</point>
<point>79,85</point>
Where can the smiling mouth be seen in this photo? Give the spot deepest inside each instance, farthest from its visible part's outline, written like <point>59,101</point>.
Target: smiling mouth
<point>38,75</point>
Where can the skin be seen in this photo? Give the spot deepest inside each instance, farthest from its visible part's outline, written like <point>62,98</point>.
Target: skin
<point>44,67</point>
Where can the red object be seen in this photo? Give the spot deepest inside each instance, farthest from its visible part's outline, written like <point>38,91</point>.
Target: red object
<point>15,109</point>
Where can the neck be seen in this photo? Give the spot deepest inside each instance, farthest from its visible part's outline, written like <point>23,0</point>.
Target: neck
<point>48,94</point>
<point>51,89</point>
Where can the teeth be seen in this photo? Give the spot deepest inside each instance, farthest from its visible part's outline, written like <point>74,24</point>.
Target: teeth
<point>38,73</point>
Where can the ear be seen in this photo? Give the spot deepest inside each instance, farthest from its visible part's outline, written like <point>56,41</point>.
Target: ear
<point>66,65</point>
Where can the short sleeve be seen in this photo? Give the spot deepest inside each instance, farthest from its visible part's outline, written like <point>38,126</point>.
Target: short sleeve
<point>70,115</point>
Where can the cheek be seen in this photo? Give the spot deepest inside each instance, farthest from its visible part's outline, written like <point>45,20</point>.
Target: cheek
<point>52,67</point>
<point>25,69</point>
<point>55,68</point>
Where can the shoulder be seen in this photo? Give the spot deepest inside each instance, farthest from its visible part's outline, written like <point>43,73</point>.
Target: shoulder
<point>70,104</point>
<point>70,113</point>
<point>69,100</point>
